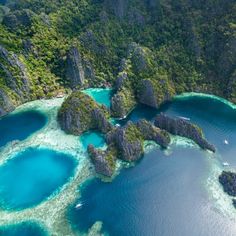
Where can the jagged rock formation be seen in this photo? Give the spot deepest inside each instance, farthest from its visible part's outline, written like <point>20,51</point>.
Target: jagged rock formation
<point>5,104</point>
<point>183,128</point>
<point>122,103</point>
<point>79,71</point>
<point>132,87</point>
<point>228,181</point>
<point>104,161</point>
<point>15,74</point>
<point>74,68</point>
<point>102,124</point>
<point>80,113</point>
<point>150,132</point>
<point>128,141</point>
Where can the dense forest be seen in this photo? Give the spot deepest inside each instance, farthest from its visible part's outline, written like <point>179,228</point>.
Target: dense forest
<point>139,47</point>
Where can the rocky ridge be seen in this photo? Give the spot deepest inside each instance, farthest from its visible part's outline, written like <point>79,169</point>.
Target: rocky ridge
<point>183,128</point>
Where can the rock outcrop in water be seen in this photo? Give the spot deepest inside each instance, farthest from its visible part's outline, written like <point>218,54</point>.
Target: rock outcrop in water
<point>128,140</point>
<point>80,113</point>
<point>104,160</point>
<point>150,132</point>
<point>183,128</point>
<point>228,181</point>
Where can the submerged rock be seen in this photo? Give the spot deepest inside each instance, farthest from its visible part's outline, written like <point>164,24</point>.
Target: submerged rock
<point>228,181</point>
<point>183,128</point>
<point>150,132</point>
<point>80,113</point>
<point>128,140</point>
<point>104,161</point>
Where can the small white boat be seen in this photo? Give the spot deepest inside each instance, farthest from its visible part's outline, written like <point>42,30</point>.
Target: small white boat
<point>184,118</point>
<point>226,142</point>
<point>225,164</point>
<point>79,205</point>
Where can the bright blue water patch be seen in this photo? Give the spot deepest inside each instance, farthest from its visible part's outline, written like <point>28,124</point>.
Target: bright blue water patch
<point>165,195</point>
<point>102,96</point>
<point>32,176</point>
<point>23,229</point>
<point>20,125</point>
<point>94,138</point>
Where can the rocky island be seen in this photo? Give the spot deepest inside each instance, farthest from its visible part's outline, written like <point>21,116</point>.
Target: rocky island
<point>79,113</point>
<point>183,128</point>
<point>228,180</point>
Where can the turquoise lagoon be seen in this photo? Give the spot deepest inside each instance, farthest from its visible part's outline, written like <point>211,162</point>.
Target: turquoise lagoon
<point>33,175</point>
<point>95,138</point>
<point>172,192</point>
<point>102,96</point>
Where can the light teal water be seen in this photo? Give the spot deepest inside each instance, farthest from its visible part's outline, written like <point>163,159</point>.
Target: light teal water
<point>94,138</point>
<point>102,96</point>
<point>33,175</point>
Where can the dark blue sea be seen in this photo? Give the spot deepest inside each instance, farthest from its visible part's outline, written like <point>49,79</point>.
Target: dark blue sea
<point>164,194</point>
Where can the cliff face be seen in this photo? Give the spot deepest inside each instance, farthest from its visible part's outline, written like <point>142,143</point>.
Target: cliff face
<point>80,113</point>
<point>183,128</point>
<point>163,48</point>
<point>128,141</point>
<point>5,104</point>
<point>74,68</point>
<point>150,132</point>
<point>104,161</point>
<point>14,74</point>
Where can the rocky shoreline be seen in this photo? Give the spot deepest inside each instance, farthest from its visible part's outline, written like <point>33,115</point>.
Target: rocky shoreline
<point>80,113</point>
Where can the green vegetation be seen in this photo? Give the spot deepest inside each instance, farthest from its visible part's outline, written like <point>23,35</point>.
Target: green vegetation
<point>76,113</point>
<point>133,134</point>
<point>179,46</point>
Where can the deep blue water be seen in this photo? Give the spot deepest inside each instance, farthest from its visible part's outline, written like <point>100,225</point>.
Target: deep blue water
<point>165,195</point>
<point>20,125</point>
<point>23,229</point>
<point>32,176</point>
<point>94,138</point>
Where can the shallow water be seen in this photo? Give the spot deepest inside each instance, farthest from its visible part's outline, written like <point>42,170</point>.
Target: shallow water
<point>33,175</point>
<point>167,193</point>
<point>102,96</point>
<point>94,138</point>
<point>23,229</point>
<point>18,126</point>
